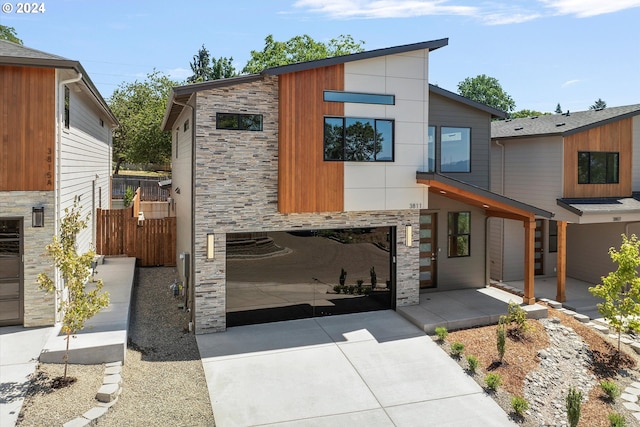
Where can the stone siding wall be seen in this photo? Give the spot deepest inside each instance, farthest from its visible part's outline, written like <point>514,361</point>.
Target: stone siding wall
<point>39,306</point>
<point>236,190</point>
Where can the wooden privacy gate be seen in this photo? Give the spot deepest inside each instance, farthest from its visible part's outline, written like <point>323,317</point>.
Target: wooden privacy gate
<point>152,242</point>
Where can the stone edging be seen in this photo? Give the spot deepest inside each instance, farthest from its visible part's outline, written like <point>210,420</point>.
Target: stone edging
<point>106,397</point>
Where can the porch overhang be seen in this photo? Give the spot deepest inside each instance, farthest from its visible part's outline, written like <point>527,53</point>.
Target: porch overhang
<point>493,204</point>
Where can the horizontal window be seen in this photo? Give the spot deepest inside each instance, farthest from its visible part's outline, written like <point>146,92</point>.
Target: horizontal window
<point>358,139</point>
<point>598,167</point>
<point>360,98</point>
<point>234,121</point>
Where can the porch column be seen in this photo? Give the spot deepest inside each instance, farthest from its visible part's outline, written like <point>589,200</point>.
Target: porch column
<point>561,269</point>
<point>529,247</point>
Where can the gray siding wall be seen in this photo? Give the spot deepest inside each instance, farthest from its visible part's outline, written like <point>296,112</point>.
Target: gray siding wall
<point>460,272</point>
<point>236,191</point>
<point>39,306</point>
<point>445,112</point>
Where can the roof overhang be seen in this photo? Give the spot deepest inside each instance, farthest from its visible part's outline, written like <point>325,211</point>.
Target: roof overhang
<point>493,204</point>
<point>602,205</point>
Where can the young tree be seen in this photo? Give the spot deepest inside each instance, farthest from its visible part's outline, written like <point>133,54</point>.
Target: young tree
<point>558,109</point>
<point>486,90</point>
<point>620,290</point>
<point>598,105</point>
<point>79,305</point>
<point>299,49</point>
<point>139,107</point>
<point>206,68</point>
<point>9,33</point>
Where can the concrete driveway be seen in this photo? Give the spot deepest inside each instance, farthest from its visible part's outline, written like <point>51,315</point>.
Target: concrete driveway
<point>373,369</point>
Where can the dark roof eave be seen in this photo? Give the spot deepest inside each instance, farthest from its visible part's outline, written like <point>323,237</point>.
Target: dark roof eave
<point>335,60</point>
<point>482,192</point>
<point>469,102</point>
<point>568,207</point>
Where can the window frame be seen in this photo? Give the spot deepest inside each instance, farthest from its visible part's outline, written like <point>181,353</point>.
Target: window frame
<point>589,174</point>
<point>358,97</point>
<point>442,148</point>
<point>553,236</point>
<point>239,121</point>
<point>431,148</point>
<point>344,130</point>
<point>454,232</point>
<point>67,107</point>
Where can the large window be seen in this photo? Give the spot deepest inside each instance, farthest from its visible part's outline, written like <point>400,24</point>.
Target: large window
<point>235,121</point>
<point>358,140</point>
<point>459,232</point>
<point>455,149</point>
<point>598,167</point>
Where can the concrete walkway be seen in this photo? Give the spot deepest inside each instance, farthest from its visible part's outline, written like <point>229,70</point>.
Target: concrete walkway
<point>373,369</point>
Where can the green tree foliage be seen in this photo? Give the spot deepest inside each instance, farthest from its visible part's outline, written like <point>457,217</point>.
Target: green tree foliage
<point>620,290</point>
<point>299,49</point>
<point>598,105</point>
<point>558,109</point>
<point>520,114</point>
<point>486,90</point>
<point>139,107</point>
<point>9,33</point>
<point>206,68</point>
<point>574,403</point>
<point>80,304</point>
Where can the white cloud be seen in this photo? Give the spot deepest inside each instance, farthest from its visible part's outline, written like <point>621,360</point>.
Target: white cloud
<point>587,8</point>
<point>570,83</point>
<point>179,73</point>
<point>359,9</point>
<point>504,18</point>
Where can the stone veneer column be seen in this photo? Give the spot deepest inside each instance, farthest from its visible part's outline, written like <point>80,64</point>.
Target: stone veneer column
<point>236,190</point>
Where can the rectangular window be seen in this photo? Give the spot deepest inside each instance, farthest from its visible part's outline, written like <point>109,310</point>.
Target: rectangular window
<point>185,127</point>
<point>455,149</point>
<point>234,121</point>
<point>358,139</point>
<point>598,167</point>
<point>553,236</point>
<point>431,149</point>
<point>360,98</point>
<point>459,233</point>
<point>66,107</point>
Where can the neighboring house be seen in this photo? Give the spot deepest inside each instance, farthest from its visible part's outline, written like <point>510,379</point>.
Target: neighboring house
<point>582,166</point>
<point>275,173</point>
<point>56,146</point>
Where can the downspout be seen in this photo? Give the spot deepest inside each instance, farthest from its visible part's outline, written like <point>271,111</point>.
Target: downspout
<point>58,156</point>
<point>190,294</point>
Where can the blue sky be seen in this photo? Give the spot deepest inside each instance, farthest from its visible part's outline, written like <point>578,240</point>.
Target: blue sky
<point>542,52</point>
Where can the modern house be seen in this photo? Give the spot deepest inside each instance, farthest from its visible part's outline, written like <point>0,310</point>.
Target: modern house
<point>582,166</point>
<point>331,186</point>
<point>56,147</point>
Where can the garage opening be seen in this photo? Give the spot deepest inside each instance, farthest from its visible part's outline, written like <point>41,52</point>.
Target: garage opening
<point>290,275</point>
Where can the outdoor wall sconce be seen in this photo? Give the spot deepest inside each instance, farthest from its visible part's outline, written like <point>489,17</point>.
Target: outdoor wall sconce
<point>210,245</point>
<point>37,217</point>
<point>408,232</point>
<point>140,218</point>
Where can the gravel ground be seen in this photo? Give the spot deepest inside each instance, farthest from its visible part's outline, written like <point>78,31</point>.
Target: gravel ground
<point>163,378</point>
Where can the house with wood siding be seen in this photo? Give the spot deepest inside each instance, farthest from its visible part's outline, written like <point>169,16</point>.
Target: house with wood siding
<point>330,186</point>
<point>56,147</point>
<point>585,168</point>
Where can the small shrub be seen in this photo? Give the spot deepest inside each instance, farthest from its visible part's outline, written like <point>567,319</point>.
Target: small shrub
<point>374,277</point>
<point>472,361</point>
<point>337,289</point>
<point>617,420</point>
<point>456,349</point>
<point>516,315</point>
<point>501,340</point>
<point>611,389</point>
<point>493,381</point>
<point>519,405</point>
<point>574,401</point>
<point>128,196</point>
<point>442,333</point>
<point>359,282</point>
<point>352,289</point>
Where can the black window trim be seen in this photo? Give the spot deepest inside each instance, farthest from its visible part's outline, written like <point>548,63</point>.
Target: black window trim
<point>606,164</point>
<point>456,234</point>
<point>344,118</point>
<point>238,115</point>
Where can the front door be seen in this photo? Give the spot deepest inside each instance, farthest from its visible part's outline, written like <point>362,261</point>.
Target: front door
<point>538,253</point>
<point>11,286</point>
<point>428,249</point>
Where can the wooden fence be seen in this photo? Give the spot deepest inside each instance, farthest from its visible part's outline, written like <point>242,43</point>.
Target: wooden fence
<point>153,242</point>
<point>149,188</point>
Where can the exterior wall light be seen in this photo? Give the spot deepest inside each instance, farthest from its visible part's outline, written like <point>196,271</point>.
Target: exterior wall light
<point>37,216</point>
<point>140,218</point>
<point>210,246</point>
<point>408,232</point>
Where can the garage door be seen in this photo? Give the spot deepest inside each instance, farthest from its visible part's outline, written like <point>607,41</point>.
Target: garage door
<point>300,274</point>
<point>11,299</point>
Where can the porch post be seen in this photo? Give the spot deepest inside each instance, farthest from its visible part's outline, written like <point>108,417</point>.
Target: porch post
<point>561,269</point>
<point>529,247</point>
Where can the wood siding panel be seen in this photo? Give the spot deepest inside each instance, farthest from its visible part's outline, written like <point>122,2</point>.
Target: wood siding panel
<point>614,137</point>
<point>306,183</point>
<point>27,128</point>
